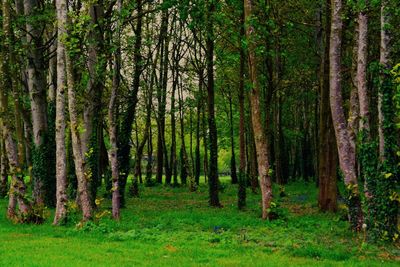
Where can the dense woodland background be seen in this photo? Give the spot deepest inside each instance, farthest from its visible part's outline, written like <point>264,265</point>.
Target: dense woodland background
<point>100,98</point>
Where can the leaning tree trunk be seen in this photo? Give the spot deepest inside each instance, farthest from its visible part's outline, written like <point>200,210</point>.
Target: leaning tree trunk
<point>61,156</point>
<point>259,134</point>
<point>345,150</point>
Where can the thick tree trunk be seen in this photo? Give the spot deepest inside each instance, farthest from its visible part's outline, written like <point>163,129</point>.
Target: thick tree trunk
<point>61,158</point>
<point>345,149</point>
<point>327,180</point>
<point>83,189</point>
<point>38,94</point>
<point>93,120</point>
<point>259,134</point>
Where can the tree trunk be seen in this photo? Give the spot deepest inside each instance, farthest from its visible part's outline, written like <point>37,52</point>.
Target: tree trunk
<point>384,60</point>
<point>242,130</point>
<point>234,178</point>
<point>37,90</point>
<point>149,166</point>
<point>197,163</point>
<point>3,166</point>
<point>212,127</point>
<point>259,134</point>
<point>161,96</point>
<point>83,189</point>
<point>345,150</point>
<point>124,144</point>
<point>17,188</point>
<point>61,158</point>
<point>113,119</point>
<point>327,181</point>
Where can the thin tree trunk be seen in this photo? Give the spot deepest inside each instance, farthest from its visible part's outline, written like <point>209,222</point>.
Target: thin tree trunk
<point>124,145</point>
<point>113,118</point>
<point>161,95</point>
<point>212,127</point>
<point>198,122</point>
<point>259,134</point>
<point>242,128</point>
<point>384,60</point>
<point>234,178</point>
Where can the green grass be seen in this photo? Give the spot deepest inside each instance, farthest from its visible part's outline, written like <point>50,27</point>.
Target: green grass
<point>173,227</point>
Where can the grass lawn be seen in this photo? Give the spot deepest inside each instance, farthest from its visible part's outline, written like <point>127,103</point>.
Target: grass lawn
<point>173,227</point>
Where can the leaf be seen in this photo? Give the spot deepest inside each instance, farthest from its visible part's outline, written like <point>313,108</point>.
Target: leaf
<point>388,175</point>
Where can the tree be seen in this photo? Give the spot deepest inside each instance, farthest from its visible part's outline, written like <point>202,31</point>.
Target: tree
<point>61,158</point>
<point>212,127</point>
<point>345,150</point>
<point>327,179</point>
<point>36,81</point>
<point>259,134</point>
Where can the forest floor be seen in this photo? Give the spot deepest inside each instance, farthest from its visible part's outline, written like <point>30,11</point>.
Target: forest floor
<point>173,227</point>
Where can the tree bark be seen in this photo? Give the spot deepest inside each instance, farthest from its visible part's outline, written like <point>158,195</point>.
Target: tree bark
<point>113,119</point>
<point>384,60</point>
<point>212,127</point>
<point>327,182</point>
<point>242,127</point>
<point>125,129</point>
<point>82,177</point>
<point>345,150</point>
<point>61,158</point>
<point>234,178</point>
<point>259,134</point>
<point>3,166</point>
<point>37,91</point>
